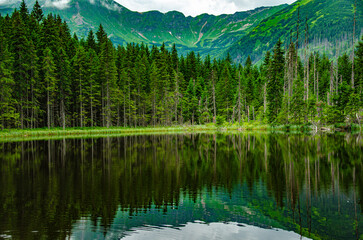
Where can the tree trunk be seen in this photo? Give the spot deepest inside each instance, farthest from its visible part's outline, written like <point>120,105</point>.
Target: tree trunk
<point>63,113</point>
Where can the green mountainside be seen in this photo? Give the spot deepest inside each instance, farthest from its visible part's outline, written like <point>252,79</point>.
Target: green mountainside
<point>330,25</point>
<point>205,34</point>
<point>241,34</point>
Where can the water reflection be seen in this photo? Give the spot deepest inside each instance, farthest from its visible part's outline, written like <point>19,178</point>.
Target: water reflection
<point>105,187</point>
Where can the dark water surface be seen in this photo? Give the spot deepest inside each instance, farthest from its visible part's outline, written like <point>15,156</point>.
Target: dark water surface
<point>183,186</point>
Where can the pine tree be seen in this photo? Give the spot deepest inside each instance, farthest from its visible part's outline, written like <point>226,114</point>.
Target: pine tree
<point>352,107</point>
<point>101,38</point>
<point>63,74</point>
<point>344,68</point>
<point>24,13</point>
<point>91,43</point>
<point>298,103</point>
<point>50,83</point>
<point>238,101</point>
<point>178,78</point>
<point>311,108</point>
<point>224,92</point>
<point>108,75</point>
<point>34,88</point>
<point>37,12</point>
<point>154,76</point>
<point>265,72</point>
<point>275,85</point>
<point>174,59</point>
<point>80,68</point>
<point>50,34</point>
<point>20,45</point>
<point>93,88</point>
<point>8,115</point>
<point>190,102</point>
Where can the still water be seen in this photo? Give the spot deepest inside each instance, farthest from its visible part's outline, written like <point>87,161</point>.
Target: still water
<point>183,186</point>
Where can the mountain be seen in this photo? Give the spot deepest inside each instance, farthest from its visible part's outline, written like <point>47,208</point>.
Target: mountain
<point>330,29</point>
<point>205,34</point>
<point>241,34</point>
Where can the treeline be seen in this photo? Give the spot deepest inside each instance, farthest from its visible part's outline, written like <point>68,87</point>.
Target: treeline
<point>49,78</point>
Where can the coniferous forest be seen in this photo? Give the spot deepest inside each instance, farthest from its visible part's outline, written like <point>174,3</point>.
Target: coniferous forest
<point>49,78</point>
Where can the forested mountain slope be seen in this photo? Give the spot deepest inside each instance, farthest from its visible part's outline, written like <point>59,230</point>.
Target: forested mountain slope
<point>330,27</point>
<point>205,34</point>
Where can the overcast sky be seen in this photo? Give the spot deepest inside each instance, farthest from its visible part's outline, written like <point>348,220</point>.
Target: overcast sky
<point>196,7</point>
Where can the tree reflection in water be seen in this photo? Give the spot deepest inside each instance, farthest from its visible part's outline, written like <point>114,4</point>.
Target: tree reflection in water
<point>309,184</point>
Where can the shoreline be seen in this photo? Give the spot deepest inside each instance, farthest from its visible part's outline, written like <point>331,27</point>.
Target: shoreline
<point>89,131</point>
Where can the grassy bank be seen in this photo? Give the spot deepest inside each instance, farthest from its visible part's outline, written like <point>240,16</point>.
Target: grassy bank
<point>54,132</point>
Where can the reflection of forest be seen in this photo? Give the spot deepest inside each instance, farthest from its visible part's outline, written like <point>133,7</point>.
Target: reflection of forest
<point>47,185</point>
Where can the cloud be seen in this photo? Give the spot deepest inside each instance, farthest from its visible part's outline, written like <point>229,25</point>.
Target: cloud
<point>8,2</point>
<point>196,7</point>
<point>60,4</point>
<point>110,6</point>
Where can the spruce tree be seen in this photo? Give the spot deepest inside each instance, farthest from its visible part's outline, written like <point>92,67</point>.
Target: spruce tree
<point>190,102</point>
<point>80,81</point>
<point>64,86</point>
<point>37,12</point>
<point>8,115</point>
<point>275,85</point>
<point>50,83</point>
<point>154,76</point>
<point>297,101</point>
<point>20,46</point>
<point>108,75</point>
<point>93,88</point>
<point>101,38</point>
<point>24,13</point>
<point>224,95</point>
<point>91,43</point>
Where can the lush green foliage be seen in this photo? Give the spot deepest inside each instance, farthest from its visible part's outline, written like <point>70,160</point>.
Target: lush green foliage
<point>51,79</point>
<point>329,22</point>
<point>242,34</point>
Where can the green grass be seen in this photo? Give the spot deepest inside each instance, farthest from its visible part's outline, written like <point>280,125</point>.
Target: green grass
<point>56,133</point>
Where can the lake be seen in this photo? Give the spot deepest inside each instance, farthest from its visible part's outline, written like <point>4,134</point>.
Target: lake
<point>183,186</point>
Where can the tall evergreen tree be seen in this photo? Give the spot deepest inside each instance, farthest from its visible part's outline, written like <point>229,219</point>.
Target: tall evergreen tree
<point>93,88</point>
<point>20,46</point>
<point>80,68</point>
<point>64,86</point>
<point>8,115</point>
<point>50,83</point>
<point>37,12</point>
<point>275,85</point>
<point>108,75</point>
